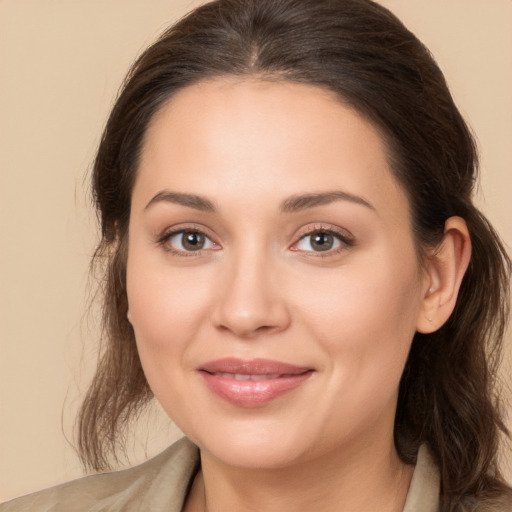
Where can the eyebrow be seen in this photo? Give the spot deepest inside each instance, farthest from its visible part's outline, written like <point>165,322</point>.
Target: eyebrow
<point>189,200</point>
<point>292,204</point>
<point>305,201</point>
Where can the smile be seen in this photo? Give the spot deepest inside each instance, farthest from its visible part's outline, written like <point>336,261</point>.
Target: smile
<point>252,383</point>
<point>243,376</point>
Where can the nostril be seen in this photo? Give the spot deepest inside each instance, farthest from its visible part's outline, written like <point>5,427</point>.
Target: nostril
<point>249,328</point>
<point>264,328</point>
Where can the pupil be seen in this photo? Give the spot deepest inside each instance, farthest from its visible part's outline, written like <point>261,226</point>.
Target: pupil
<point>322,242</point>
<point>193,241</point>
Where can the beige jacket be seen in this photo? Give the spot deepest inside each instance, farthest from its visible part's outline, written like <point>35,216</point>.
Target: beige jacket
<point>162,483</point>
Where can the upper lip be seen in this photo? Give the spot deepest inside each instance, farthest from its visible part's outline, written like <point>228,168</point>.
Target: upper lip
<point>252,367</point>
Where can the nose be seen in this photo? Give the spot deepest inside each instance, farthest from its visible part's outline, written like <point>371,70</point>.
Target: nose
<point>251,300</point>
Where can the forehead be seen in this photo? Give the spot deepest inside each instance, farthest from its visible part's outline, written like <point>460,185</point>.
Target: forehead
<point>264,139</point>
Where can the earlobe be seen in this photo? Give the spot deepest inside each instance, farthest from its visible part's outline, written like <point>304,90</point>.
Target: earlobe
<point>446,267</point>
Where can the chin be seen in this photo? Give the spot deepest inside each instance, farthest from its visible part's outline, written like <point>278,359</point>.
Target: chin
<point>249,444</point>
<point>255,455</point>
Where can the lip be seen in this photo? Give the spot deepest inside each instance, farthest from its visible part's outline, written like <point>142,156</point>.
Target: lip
<point>252,383</point>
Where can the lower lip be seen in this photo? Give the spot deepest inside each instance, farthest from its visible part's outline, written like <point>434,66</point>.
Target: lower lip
<point>253,393</point>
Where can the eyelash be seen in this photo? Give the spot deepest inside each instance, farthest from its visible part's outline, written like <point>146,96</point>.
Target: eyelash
<point>164,238</point>
<point>345,240</point>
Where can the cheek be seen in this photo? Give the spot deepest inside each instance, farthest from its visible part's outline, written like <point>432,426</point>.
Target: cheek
<point>166,306</point>
<point>365,315</point>
<point>166,311</point>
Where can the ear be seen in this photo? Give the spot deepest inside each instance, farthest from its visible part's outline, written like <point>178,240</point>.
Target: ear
<point>445,268</point>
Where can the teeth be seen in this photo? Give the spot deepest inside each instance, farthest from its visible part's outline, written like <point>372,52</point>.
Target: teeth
<point>244,376</point>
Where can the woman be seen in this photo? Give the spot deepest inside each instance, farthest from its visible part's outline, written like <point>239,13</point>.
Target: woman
<point>296,271</point>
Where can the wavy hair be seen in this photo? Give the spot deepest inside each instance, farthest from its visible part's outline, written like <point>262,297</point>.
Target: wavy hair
<point>448,394</point>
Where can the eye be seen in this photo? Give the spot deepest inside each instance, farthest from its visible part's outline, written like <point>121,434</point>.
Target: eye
<point>322,241</point>
<point>188,241</point>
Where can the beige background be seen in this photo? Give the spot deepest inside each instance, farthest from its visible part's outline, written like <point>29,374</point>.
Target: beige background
<point>61,62</point>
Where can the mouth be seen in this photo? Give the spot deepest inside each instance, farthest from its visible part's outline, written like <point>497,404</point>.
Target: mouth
<point>252,383</point>
<point>245,376</point>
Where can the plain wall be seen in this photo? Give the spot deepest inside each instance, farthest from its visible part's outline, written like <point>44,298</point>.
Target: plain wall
<point>61,63</point>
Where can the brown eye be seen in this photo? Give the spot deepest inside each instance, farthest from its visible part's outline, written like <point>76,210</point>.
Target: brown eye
<point>322,241</point>
<point>192,241</point>
<point>189,241</point>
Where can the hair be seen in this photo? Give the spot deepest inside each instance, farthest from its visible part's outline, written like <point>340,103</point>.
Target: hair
<point>448,396</point>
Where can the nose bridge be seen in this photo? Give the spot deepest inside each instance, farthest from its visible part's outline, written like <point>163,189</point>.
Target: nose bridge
<point>250,300</point>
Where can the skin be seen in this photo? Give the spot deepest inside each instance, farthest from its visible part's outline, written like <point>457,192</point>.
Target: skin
<point>259,289</point>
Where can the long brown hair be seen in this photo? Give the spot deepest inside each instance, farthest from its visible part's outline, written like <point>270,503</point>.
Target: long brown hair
<point>448,393</point>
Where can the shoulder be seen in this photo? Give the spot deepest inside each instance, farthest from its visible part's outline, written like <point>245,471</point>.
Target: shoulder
<point>160,483</point>
<point>424,491</point>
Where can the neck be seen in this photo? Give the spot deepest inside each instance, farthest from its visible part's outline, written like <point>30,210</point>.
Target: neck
<point>352,480</point>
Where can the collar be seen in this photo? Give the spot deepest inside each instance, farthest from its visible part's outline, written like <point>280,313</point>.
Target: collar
<point>423,495</point>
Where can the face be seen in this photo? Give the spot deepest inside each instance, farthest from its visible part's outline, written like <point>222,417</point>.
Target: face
<point>273,282</point>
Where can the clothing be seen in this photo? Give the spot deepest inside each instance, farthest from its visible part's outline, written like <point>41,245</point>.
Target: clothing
<point>162,484</point>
